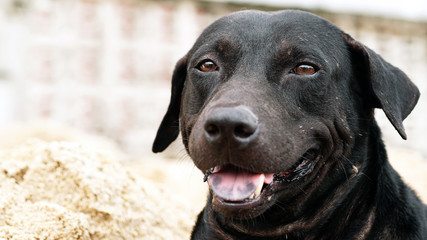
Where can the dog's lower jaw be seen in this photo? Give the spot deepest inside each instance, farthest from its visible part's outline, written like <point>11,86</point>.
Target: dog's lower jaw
<point>281,217</point>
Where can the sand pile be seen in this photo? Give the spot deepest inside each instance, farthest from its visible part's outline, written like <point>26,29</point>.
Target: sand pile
<point>61,190</point>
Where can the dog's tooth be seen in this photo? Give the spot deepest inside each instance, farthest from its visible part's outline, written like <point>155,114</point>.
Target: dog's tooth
<point>260,184</point>
<point>252,196</point>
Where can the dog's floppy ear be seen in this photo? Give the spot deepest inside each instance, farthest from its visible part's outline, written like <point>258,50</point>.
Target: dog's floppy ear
<point>388,87</point>
<point>169,128</point>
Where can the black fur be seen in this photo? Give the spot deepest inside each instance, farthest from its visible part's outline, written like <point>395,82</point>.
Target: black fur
<point>256,111</point>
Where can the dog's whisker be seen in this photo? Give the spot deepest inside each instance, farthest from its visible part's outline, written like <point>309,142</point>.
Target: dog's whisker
<point>302,190</point>
<point>347,160</point>
<point>281,206</point>
<point>343,169</point>
<point>182,155</point>
<point>359,171</point>
<point>362,173</point>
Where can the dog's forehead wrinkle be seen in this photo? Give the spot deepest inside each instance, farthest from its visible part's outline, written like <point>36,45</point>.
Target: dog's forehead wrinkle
<point>292,53</point>
<point>222,46</point>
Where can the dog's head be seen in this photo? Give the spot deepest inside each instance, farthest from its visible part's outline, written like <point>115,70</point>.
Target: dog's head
<point>270,104</point>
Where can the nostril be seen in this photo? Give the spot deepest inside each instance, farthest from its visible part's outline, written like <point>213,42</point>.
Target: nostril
<point>212,133</point>
<point>244,131</point>
<point>212,130</point>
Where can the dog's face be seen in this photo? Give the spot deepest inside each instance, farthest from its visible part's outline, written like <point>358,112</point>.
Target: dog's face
<point>270,106</point>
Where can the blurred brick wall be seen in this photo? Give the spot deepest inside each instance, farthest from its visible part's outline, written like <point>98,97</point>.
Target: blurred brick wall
<point>102,66</point>
<point>105,66</point>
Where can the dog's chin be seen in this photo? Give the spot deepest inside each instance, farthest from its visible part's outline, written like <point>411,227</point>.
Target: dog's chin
<point>258,192</point>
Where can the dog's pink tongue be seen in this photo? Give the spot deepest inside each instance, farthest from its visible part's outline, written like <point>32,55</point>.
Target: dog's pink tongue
<point>234,185</point>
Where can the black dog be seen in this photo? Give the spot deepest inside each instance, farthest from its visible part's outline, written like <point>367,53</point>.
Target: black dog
<point>278,110</point>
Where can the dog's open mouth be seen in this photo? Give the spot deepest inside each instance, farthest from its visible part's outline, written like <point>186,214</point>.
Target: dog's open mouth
<point>234,185</point>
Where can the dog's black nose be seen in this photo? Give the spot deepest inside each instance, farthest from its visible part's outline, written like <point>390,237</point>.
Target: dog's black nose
<point>234,126</point>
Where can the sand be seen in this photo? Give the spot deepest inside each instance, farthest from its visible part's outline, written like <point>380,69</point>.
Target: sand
<point>60,190</point>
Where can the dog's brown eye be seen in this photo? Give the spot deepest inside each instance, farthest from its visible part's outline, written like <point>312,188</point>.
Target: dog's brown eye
<point>207,66</point>
<point>305,69</point>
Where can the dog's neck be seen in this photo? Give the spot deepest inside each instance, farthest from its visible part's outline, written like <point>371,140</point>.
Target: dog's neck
<point>358,178</point>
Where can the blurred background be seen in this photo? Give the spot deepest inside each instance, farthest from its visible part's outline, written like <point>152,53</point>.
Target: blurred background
<point>98,72</point>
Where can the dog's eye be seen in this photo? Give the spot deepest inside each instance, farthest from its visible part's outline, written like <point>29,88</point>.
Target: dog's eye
<point>207,66</point>
<point>304,69</point>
